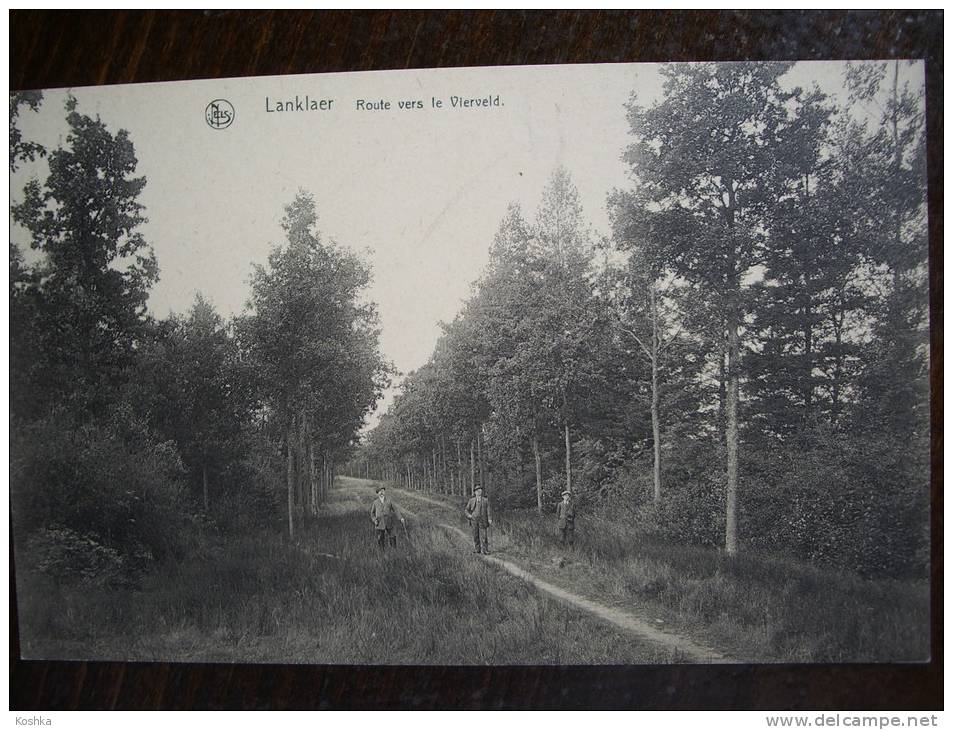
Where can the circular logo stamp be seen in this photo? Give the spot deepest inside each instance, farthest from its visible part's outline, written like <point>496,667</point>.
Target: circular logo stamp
<point>219,113</point>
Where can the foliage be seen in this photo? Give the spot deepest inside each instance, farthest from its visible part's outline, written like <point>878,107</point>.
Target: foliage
<point>758,322</point>
<point>751,349</point>
<point>528,356</point>
<point>20,149</point>
<point>840,500</point>
<point>313,346</point>
<point>110,481</point>
<point>72,557</point>
<point>88,294</point>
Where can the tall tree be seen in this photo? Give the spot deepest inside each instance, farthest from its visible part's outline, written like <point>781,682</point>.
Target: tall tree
<point>645,300</point>
<point>514,279</point>
<point>810,305</point>
<point>893,412</point>
<point>96,267</point>
<point>190,383</point>
<point>712,157</point>
<point>563,322</point>
<point>308,333</point>
<point>896,380</point>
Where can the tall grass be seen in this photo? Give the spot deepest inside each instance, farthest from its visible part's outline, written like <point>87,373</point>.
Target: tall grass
<point>331,598</point>
<point>757,607</point>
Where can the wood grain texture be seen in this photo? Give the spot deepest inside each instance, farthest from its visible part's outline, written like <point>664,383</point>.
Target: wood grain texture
<point>74,48</point>
<point>55,49</point>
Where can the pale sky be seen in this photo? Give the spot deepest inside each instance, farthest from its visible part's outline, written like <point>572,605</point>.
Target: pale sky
<point>421,190</point>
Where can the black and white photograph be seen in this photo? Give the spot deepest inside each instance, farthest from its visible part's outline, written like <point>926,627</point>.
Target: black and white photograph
<point>599,364</point>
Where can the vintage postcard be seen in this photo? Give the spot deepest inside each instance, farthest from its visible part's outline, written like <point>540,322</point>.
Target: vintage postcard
<point>594,364</point>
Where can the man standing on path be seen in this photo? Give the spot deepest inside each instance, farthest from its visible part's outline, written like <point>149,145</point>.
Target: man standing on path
<point>478,512</point>
<point>384,513</point>
<point>566,520</point>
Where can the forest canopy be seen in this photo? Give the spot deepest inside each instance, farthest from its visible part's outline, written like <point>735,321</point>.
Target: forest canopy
<point>742,363</point>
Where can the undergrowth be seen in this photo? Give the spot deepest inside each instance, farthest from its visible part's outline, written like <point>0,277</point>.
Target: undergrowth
<point>758,607</point>
<point>330,598</point>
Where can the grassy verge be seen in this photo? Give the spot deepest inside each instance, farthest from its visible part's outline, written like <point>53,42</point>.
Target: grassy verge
<point>757,608</point>
<point>332,598</point>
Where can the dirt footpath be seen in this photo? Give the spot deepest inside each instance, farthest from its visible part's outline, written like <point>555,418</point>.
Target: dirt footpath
<point>626,621</point>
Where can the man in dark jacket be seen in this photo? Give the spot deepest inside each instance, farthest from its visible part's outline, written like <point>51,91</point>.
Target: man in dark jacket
<point>384,514</point>
<point>566,520</point>
<point>478,512</point>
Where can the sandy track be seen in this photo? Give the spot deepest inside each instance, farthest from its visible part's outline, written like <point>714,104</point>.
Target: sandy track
<point>626,621</point>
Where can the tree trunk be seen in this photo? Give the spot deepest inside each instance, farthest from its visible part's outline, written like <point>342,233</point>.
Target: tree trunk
<point>301,463</point>
<point>327,475</point>
<point>568,462</point>
<point>656,436</point>
<point>838,367</point>
<point>205,485</point>
<point>472,469</point>
<point>809,360</point>
<point>520,466</point>
<point>486,487</point>
<point>722,388</point>
<point>447,470</point>
<point>656,428</point>
<point>312,485</point>
<point>898,215</point>
<point>539,474</point>
<point>731,436</point>
<point>443,464</point>
<point>289,440</point>
<point>732,320</point>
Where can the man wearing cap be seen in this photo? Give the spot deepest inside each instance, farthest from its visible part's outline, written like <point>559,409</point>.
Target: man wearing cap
<point>383,514</point>
<point>478,512</point>
<point>566,520</point>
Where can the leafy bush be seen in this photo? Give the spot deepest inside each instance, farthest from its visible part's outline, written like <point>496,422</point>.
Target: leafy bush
<point>849,501</point>
<point>253,488</point>
<point>692,506</point>
<point>693,510</point>
<point>93,491</point>
<point>596,462</point>
<point>553,487</point>
<point>853,502</point>
<point>70,556</point>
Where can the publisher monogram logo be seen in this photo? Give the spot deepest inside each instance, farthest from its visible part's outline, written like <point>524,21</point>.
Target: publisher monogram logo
<point>219,113</point>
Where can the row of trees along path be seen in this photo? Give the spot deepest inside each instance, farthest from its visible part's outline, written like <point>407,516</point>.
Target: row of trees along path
<point>773,246</point>
<point>130,430</point>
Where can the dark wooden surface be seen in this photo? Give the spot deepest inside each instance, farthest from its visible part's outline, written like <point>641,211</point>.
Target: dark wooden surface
<point>67,48</point>
<point>50,48</point>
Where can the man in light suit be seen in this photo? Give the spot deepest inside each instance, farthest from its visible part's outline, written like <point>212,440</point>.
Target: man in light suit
<point>478,512</point>
<point>384,514</point>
